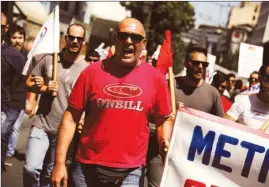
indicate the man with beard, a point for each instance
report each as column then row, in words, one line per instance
column 16, row 38
column 41, row 145
column 253, row 110
column 220, row 83
column 12, row 97
column 117, row 94
column 193, row 92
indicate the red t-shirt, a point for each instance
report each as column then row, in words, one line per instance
column 226, row 103
column 117, row 104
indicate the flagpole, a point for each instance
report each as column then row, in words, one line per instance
column 172, row 89
column 265, row 126
column 55, row 53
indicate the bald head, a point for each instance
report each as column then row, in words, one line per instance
column 4, row 27
column 3, row 19
column 131, row 25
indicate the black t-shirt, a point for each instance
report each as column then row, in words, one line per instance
column 13, row 88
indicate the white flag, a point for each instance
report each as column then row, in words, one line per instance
column 47, row 40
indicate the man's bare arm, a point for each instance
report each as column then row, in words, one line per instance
column 164, row 128
column 66, row 133
column 226, row 116
column 35, row 84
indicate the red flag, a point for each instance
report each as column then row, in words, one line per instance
column 165, row 59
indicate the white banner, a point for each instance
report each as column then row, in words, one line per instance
column 47, row 40
column 250, row 59
column 208, row 151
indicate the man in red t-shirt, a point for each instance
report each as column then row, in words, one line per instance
column 118, row 95
column 220, row 83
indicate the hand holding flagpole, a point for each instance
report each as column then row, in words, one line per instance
column 56, row 37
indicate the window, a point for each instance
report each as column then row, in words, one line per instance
column 256, row 9
column 253, row 18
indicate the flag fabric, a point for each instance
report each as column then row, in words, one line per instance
column 155, row 55
column 165, row 59
column 47, row 40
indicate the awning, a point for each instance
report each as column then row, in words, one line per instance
column 34, row 11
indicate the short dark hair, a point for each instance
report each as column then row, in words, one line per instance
column 93, row 53
column 218, row 79
column 263, row 68
column 238, row 84
column 78, row 25
column 15, row 28
column 254, row 72
column 194, row 48
column 230, row 75
column 266, row 53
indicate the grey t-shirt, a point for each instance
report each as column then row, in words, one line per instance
column 205, row 98
column 51, row 109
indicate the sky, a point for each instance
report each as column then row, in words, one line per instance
column 205, row 12
column 211, row 13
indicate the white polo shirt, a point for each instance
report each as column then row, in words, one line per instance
column 250, row 111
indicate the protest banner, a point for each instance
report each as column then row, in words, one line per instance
column 208, row 151
column 250, row 59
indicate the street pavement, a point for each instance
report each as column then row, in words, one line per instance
column 12, row 177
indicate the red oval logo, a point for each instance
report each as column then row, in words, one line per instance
column 123, row 90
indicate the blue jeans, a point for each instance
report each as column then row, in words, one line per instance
column 15, row 135
column 40, row 156
column 8, row 119
column 84, row 175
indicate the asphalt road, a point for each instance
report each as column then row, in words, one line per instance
column 12, row 177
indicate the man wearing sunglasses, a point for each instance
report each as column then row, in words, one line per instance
column 92, row 56
column 231, row 83
column 253, row 110
column 12, row 100
column 42, row 139
column 253, row 79
column 118, row 95
column 193, row 92
column 220, row 83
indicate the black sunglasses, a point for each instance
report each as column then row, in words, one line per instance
column 136, row 38
column 223, row 87
column 253, row 79
column 72, row 38
column 92, row 59
column 197, row 63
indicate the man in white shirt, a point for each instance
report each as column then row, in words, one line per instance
column 253, row 110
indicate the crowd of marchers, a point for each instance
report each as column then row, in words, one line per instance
column 95, row 132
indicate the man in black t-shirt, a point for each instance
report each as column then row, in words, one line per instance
column 12, row 99
column 16, row 36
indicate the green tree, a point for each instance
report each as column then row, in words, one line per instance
column 160, row 16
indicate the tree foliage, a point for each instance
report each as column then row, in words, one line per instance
column 175, row 16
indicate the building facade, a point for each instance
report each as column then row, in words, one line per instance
column 247, row 13
column 260, row 33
